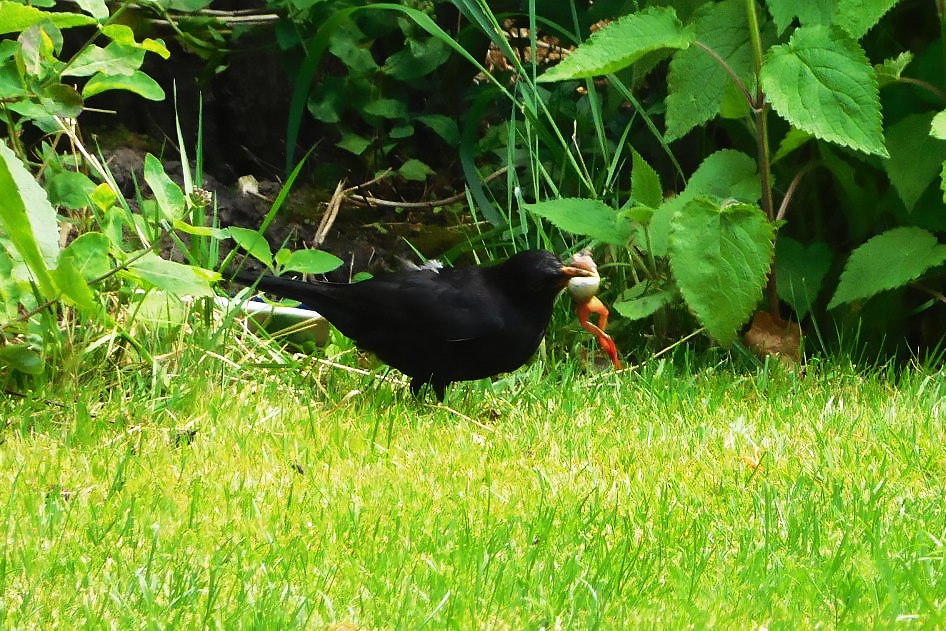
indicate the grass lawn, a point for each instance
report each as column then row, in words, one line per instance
column 239, row 497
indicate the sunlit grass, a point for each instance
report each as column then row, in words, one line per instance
column 292, row 498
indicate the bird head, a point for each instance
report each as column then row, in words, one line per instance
column 541, row 272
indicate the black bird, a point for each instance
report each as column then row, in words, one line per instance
column 440, row 325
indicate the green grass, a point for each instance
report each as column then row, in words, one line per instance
column 264, row 498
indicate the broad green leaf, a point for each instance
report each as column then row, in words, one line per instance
column 793, row 139
column 587, row 217
column 174, row 277
column 645, row 183
column 103, row 197
column 354, row 143
column 916, row 158
column 444, row 126
column 21, row 357
column 60, row 100
column 808, row 12
column 645, row 306
column 696, row 81
column 167, row 193
column 386, row 108
column 720, row 257
column 70, row 189
column 821, row 82
column 28, row 220
column 312, row 262
column 938, row 126
column 889, row 260
column 800, row 272
column 253, row 242
column 95, row 8
column 10, row 291
column 137, row 82
column 160, row 309
column 416, row 170
column 621, row 43
column 114, row 59
column 89, row 255
column 857, row 17
column 420, row 58
column 73, row 285
column 122, row 34
column 15, row 17
column 726, row 174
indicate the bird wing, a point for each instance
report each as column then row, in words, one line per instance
column 449, row 304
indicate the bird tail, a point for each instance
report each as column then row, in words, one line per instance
column 282, row 287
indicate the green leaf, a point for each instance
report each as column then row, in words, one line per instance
column 174, row 277
column 938, row 126
column 645, row 306
column 722, row 175
column 312, row 262
column 443, row 126
column 720, row 257
column 386, row 108
column 167, row 193
column 89, row 255
column 122, row 34
column 916, row 158
column 111, row 60
column 137, row 82
column 15, row 17
column 253, row 242
column 857, row 17
column 416, row 170
column 891, row 69
column 645, row 183
column 621, row 43
column 821, row 82
column 354, row 143
column 74, row 287
column 800, row 272
column 10, row 292
column 95, row 8
column 808, row 12
column 696, row 81
column 794, row 138
column 22, row 358
column 587, row 217
column 70, row 189
column 28, row 220
column 201, row 231
column 887, row 261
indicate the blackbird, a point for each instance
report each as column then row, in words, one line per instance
column 442, row 325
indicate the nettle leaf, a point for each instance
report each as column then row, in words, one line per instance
column 167, row 193
column 891, row 69
column 416, row 170
column 821, row 82
column 859, row 16
column 137, row 82
column 887, row 261
column 720, row 257
column 916, row 158
column 621, row 43
column 784, row 12
column 253, row 242
column 726, row 174
column 587, row 217
column 696, row 82
column 311, row 262
column 645, row 183
column 800, row 272
column 938, row 125
column 174, row 277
